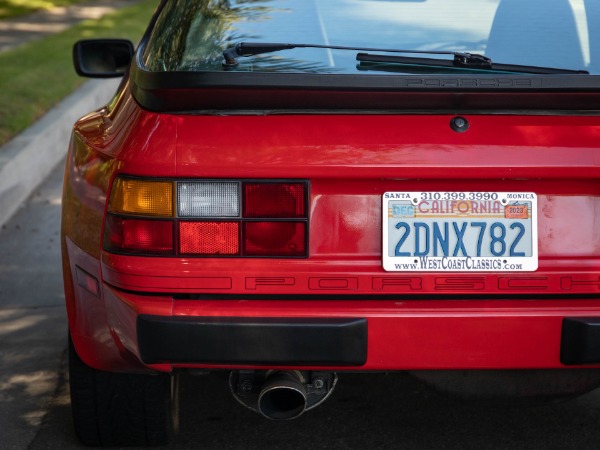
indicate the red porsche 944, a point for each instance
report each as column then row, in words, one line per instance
column 292, row 189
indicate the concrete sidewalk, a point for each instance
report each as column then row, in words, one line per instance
column 29, row 158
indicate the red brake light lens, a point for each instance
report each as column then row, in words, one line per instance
column 138, row 235
column 274, row 238
column 274, row 200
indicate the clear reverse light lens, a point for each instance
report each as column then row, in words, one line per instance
column 208, row 199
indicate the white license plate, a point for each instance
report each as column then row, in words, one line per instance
column 460, row 231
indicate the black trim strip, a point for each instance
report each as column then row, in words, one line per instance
column 500, row 82
column 187, row 92
column 426, row 296
column 255, row 341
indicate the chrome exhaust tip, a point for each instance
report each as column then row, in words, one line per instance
column 283, row 396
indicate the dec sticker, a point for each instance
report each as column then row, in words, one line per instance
column 516, row 212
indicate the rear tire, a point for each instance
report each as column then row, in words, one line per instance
column 118, row 409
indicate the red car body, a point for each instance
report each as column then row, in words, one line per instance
column 329, row 305
column 415, row 321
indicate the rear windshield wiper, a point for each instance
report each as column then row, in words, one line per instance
column 258, row 48
column 460, row 59
column 389, row 63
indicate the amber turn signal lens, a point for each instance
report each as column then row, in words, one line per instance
column 150, row 198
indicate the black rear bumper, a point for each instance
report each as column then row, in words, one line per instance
column 252, row 341
column 580, row 341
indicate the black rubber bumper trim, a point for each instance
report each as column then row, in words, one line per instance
column 580, row 341
column 252, row 341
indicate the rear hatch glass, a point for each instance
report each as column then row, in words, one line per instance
column 191, row 35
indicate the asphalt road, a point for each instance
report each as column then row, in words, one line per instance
column 366, row 412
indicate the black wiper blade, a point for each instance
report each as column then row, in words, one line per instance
column 461, row 60
column 231, row 54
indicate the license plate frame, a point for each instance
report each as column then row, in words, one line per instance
column 459, row 231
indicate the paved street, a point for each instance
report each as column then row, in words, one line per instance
column 32, row 314
column 366, row 411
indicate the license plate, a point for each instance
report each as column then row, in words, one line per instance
column 460, row 232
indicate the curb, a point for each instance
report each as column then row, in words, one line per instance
column 29, row 158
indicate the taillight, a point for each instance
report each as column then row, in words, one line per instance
column 268, row 200
column 138, row 236
column 274, row 238
column 143, row 197
column 209, row 238
column 208, row 218
column 208, row 199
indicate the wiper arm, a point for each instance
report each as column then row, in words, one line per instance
column 461, row 60
column 258, row 48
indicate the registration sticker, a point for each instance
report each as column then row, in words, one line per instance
column 460, row 232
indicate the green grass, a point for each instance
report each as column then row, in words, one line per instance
column 35, row 76
column 14, row 8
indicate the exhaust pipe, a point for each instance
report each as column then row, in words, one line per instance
column 281, row 395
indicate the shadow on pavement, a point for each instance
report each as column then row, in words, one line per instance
column 366, row 411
